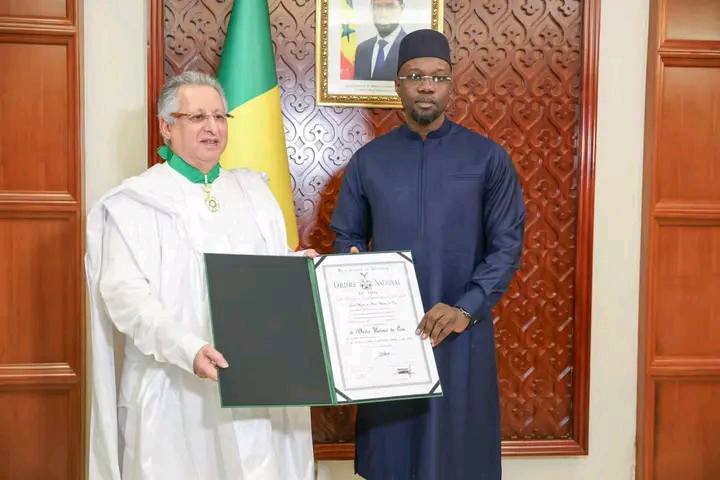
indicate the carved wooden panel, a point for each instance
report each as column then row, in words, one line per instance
column 517, row 77
column 517, row 66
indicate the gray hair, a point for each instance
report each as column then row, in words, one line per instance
column 169, row 102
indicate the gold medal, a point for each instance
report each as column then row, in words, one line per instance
column 210, row 200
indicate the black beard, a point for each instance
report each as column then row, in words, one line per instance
column 425, row 118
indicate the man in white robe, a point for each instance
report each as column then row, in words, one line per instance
column 146, row 279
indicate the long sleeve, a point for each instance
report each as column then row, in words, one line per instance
column 504, row 224
column 133, row 309
column 351, row 220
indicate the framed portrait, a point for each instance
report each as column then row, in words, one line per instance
column 357, row 47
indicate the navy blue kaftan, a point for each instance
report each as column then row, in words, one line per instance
column 455, row 201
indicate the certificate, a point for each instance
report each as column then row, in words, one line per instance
column 371, row 307
column 332, row 330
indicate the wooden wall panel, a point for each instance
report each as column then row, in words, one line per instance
column 34, row 8
column 38, row 447
column 35, row 110
column 692, row 20
column 518, row 79
column 688, row 150
column 38, row 291
column 688, row 275
column 686, row 444
column 678, row 430
column 42, row 331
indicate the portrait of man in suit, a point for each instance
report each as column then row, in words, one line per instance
column 376, row 58
column 358, row 45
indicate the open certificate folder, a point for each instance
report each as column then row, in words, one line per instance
column 324, row 331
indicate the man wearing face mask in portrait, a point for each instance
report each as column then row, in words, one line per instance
column 376, row 58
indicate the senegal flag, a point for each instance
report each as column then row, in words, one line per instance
column 347, row 40
column 256, row 138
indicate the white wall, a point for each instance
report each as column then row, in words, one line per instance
column 115, row 147
column 114, row 111
column 115, row 85
column 618, row 187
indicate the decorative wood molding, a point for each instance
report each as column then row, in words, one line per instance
column 684, row 58
column 12, row 25
column 587, row 133
column 62, row 198
column 40, row 211
column 155, row 56
column 542, row 448
column 686, row 210
column 692, row 47
column 662, row 366
column 37, row 374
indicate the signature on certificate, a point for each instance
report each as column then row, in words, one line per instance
column 404, row 371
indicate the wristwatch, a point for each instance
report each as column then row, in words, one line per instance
column 471, row 321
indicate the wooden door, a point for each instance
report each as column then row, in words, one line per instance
column 679, row 371
column 41, row 309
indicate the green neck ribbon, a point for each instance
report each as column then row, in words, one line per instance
column 187, row 170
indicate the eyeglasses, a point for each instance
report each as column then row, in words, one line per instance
column 417, row 79
column 202, row 117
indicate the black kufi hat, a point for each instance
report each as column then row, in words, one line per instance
column 423, row 43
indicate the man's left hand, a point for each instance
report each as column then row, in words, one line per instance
column 440, row 321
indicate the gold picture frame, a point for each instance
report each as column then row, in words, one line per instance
column 334, row 43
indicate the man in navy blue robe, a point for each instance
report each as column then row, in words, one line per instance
column 452, row 197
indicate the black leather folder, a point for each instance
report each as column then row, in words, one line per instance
column 267, row 320
column 266, row 323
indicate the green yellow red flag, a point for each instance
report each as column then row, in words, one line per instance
column 256, row 137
